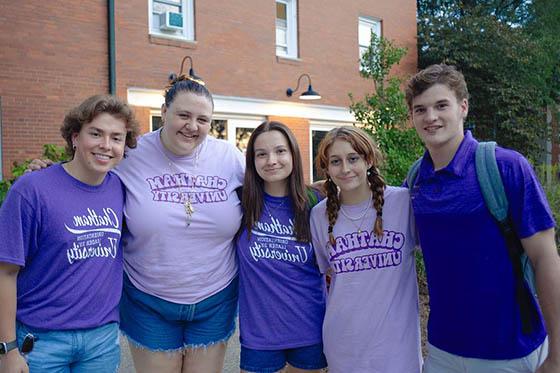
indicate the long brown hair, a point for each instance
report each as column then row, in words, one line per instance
column 253, row 186
column 365, row 147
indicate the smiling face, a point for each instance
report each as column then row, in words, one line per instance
column 273, row 162
column 186, row 122
column 348, row 170
column 99, row 146
column 438, row 117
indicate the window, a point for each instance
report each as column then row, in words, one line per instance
column 286, row 28
column 172, row 18
column 235, row 131
column 365, row 27
column 155, row 120
column 318, row 132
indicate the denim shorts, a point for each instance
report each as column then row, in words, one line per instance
column 76, row 351
column 270, row 361
column 159, row 325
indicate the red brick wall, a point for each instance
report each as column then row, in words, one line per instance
column 53, row 54
column 235, row 50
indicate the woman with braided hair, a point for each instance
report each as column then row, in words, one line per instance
column 364, row 236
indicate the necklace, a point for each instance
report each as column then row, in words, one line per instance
column 362, row 217
column 277, row 207
column 187, row 205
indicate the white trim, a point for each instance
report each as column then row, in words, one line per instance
column 154, row 113
column 373, row 24
column 188, row 22
column 244, row 106
column 318, row 126
column 291, row 28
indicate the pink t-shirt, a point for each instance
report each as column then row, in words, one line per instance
column 371, row 322
column 162, row 255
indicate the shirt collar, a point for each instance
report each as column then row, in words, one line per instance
column 457, row 165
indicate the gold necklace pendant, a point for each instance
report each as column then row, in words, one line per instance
column 189, row 211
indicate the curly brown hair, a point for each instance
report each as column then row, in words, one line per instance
column 89, row 109
column 365, row 147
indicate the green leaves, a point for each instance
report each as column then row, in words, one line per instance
column 508, row 52
column 53, row 152
column 384, row 113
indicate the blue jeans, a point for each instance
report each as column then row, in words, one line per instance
column 76, row 351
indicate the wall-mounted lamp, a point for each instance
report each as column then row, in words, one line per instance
column 192, row 76
column 310, row 94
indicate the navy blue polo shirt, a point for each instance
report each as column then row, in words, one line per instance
column 473, row 311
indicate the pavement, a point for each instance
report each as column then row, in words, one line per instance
column 231, row 362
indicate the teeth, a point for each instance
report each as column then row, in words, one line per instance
column 102, row 156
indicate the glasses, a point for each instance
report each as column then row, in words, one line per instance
column 28, row 343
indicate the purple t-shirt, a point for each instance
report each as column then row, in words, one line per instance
column 473, row 311
column 66, row 236
column 281, row 291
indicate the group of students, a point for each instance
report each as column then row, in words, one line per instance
column 206, row 233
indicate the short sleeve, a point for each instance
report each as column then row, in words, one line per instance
column 18, row 228
column 528, row 205
column 319, row 237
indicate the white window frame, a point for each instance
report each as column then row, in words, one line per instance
column 187, row 33
column 236, row 121
column 154, row 113
column 291, row 29
column 372, row 24
column 323, row 127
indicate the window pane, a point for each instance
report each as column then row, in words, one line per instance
column 161, row 8
column 281, row 11
column 281, row 36
column 242, row 135
column 364, row 34
column 316, row 137
column 156, row 122
column 218, row 129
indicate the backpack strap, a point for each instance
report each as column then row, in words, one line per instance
column 490, row 180
column 493, row 191
column 412, row 173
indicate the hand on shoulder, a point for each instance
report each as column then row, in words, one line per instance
column 38, row 164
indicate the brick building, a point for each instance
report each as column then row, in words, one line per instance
column 53, row 54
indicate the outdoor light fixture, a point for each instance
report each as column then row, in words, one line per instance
column 310, row 94
column 192, row 76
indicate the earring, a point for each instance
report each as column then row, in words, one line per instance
column 73, row 146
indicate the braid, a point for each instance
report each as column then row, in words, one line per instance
column 333, row 205
column 377, row 185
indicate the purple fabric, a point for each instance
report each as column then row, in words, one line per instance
column 66, row 236
column 162, row 255
column 281, row 291
column 473, row 311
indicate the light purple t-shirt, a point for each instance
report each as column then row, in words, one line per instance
column 66, row 236
column 162, row 256
column 281, row 291
column 371, row 323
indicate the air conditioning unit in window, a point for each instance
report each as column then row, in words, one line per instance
column 170, row 21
